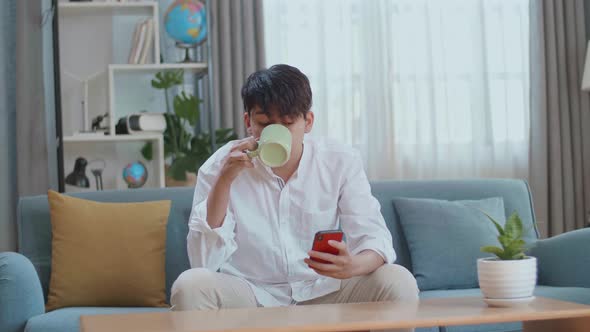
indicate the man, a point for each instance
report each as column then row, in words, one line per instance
column 251, row 227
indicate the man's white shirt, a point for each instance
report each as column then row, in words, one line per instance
column 270, row 225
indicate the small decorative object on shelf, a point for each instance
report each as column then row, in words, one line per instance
column 141, row 123
column 97, row 172
column 96, row 124
column 186, row 23
column 77, row 177
column 135, row 174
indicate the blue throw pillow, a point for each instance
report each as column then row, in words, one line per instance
column 445, row 237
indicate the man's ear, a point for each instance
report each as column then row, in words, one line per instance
column 247, row 123
column 309, row 121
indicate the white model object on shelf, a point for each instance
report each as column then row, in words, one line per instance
column 85, row 125
column 141, row 123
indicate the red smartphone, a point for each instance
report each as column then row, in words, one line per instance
column 320, row 243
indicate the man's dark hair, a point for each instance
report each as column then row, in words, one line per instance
column 280, row 87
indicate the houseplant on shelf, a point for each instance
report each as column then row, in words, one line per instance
column 184, row 150
column 509, row 278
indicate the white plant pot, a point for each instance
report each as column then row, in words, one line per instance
column 512, row 280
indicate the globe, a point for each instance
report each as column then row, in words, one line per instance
column 135, row 174
column 186, row 22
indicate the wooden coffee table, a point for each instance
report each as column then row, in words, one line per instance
column 540, row 315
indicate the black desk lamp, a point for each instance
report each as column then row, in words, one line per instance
column 78, row 177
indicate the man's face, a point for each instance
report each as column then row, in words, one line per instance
column 298, row 126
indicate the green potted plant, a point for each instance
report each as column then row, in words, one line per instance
column 184, row 150
column 510, row 277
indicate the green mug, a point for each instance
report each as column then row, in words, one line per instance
column 274, row 146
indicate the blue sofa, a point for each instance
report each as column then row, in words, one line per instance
column 564, row 261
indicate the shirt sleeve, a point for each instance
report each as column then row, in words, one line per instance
column 360, row 214
column 207, row 247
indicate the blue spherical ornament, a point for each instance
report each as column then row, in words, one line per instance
column 135, row 174
column 186, row 21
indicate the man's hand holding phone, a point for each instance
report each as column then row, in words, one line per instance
column 330, row 257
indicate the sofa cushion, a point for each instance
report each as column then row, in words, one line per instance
column 68, row 319
column 516, row 195
column 34, row 227
column 107, row 254
column 572, row 294
column 445, row 238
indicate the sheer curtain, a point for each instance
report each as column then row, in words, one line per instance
column 424, row 88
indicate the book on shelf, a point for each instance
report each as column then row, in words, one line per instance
column 141, row 42
column 134, row 42
column 148, row 41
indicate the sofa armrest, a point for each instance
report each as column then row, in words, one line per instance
column 21, row 296
column 564, row 260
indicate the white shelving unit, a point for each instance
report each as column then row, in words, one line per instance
column 95, row 42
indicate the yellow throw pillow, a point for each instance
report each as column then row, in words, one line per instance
column 107, row 254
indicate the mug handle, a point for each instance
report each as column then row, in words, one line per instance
column 254, row 153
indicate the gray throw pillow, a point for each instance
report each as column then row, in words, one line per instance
column 444, row 238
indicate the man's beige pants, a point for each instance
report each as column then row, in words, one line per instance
column 202, row 289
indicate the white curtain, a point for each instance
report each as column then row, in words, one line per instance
column 424, row 88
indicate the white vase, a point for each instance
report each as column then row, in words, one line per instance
column 507, row 280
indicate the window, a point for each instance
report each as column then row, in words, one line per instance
column 424, row 88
